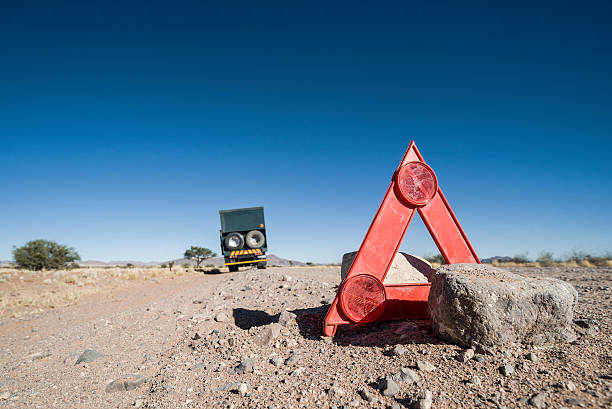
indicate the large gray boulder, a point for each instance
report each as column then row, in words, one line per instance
column 405, row 268
column 480, row 304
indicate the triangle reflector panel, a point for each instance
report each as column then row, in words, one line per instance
column 362, row 297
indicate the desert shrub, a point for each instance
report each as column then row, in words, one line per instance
column 545, row 259
column 163, row 265
column 129, row 265
column 44, row 254
column 309, row 263
column 437, row 259
column 521, row 259
column 186, row 265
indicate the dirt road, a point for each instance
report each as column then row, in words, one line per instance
column 211, row 340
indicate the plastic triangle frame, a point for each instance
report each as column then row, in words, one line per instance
column 362, row 296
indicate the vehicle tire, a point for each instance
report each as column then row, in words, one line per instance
column 233, row 269
column 262, row 265
column 255, row 239
column 234, row 241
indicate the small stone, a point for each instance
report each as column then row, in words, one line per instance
column 575, row 402
column 242, row 389
column 532, row 357
column 287, row 277
column 388, row 387
column 276, row 360
column 506, row 370
column 221, row 317
column 294, row 358
column 481, row 358
column 268, row 334
column 138, row 403
column 475, row 380
column 335, row 391
column 5, row 395
column 127, row 383
column 367, row 396
column 399, row 350
column 425, row 366
column 88, row 355
column 286, row 318
column 538, row 400
column 408, row 375
column 297, row 372
column 198, row 301
column 571, row 386
column 465, row 355
column 424, row 400
column 39, row 355
column 247, row 365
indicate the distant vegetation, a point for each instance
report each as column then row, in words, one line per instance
column 544, row 259
column 45, row 255
column 547, row 259
column 198, row 254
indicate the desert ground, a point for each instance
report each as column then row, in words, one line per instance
column 188, row 339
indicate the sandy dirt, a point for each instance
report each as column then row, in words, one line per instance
column 211, row 340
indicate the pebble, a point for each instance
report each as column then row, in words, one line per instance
column 424, row 400
column 294, row 358
column 268, row 334
column 5, row 395
column 399, row 350
column 481, row 358
column 247, row 365
column 465, row 355
column 286, row 318
column 276, row 360
column 39, row 355
column 221, row 317
column 367, row 396
column 532, row 357
column 506, row 369
column 425, row 366
column 287, row 277
column 408, row 375
column 538, row 400
column 138, row 403
column 388, row 387
column 88, row 355
column 297, row 372
column 571, row 386
column 475, row 380
column 127, row 383
column 242, row 389
column 335, row 391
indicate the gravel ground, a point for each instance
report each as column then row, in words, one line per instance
column 252, row 339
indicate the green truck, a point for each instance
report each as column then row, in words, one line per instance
column 243, row 237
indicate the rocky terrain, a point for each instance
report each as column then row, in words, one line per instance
column 253, row 340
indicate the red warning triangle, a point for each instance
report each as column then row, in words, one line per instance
column 363, row 297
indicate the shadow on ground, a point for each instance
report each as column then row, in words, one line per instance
column 310, row 323
column 246, row 319
column 209, row 271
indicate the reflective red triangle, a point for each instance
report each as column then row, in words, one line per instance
column 363, row 297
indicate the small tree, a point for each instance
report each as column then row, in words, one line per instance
column 198, row 254
column 170, row 265
column 44, row 254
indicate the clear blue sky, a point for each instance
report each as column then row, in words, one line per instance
column 126, row 126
